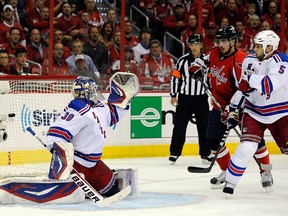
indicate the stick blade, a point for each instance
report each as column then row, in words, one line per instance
column 194, row 169
column 115, row 198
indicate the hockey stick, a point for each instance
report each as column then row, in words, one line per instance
column 195, row 169
column 221, row 110
column 90, row 192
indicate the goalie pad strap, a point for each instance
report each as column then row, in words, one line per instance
column 62, row 160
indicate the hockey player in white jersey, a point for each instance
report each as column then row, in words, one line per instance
column 265, row 84
column 83, row 126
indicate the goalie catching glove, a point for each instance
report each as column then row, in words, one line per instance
column 124, row 87
column 198, row 69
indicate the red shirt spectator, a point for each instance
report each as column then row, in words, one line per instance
column 191, row 29
column 114, row 48
column 209, row 41
column 7, row 24
column 95, row 17
column 231, row 12
column 207, row 12
column 130, row 40
column 272, row 10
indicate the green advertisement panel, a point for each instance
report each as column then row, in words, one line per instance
column 146, row 117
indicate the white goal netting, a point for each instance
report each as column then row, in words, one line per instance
column 36, row 104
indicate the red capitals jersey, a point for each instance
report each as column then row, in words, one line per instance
column 225, row 73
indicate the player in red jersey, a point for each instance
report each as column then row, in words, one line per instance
column 225, row 63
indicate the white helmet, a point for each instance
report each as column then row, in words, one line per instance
column 85, row 88
column 266, row 38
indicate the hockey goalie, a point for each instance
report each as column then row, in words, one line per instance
column 76, row 140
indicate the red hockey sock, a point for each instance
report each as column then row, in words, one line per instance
column 262, row 156
column 223, row 158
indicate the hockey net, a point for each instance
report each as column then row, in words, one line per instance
column 36, row 104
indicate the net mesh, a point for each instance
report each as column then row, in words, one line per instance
column 35, row 104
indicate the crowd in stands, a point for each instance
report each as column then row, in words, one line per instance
column 87, row 42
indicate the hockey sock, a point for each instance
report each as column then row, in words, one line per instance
column 262, row 156
column 239, row 161
column 223, row 158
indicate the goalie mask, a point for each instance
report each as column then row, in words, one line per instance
column 85, row 88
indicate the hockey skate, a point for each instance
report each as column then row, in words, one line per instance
column 218, row 181
column 207, row 159
column 173, row 159
column 267, row 180
column 228, row 189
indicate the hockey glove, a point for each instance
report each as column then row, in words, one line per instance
column 244, row 83
column 230, row 117
column 198, row 69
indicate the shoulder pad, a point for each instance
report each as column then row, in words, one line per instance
column 81, row 106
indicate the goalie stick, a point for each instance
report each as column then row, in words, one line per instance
column 90, row 192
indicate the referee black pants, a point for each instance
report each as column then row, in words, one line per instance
column 187, row 106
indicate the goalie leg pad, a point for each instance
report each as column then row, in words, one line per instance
column 62, row 161
column 128, row 177
column 35, row 190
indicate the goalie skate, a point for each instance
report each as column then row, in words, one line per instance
column 267, row 180
column 218, row 181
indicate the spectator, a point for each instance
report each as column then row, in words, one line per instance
column 129, row 63
column 4, row 60
column 276, row 27
column 177, row 22
column 224, row 21
column 112, row 19
column 58, row 38
column 71, row 26
column 231, row 12
column 36, row 50
column 20, row 66
column 81, row 69
column 114, row 49
column 244, row 42
column 209, row 40
column 95, row 17
column 7, row 23
column 84, row 17
column 269, row 16
column 60, row 66
column 77, row 49
column 106, row 34
column 265, row 25
column 13, row 44
column 157, row 65
column 33, row 12
column 207, row 12
column 142, row 48
column 93, row 46
column 191, row 29
column 130, row 39
column 19, row 14
column 254, row 26
column 162, row 10
column 251, row 10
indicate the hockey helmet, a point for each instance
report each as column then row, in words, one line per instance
column 266, row 38
column 85, row 88
column 195, row 38
column 227, row 32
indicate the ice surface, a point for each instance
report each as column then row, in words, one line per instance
column 166, row 190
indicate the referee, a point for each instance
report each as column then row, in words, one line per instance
column 189, row 97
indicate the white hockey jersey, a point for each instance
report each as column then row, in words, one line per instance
column 85, row 127
column 269, row 102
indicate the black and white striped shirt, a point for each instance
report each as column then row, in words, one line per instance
column 181, row 79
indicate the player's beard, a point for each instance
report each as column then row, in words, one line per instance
column 260, row 57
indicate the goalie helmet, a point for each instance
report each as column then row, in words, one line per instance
column 85, row 88
column 266, row 38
